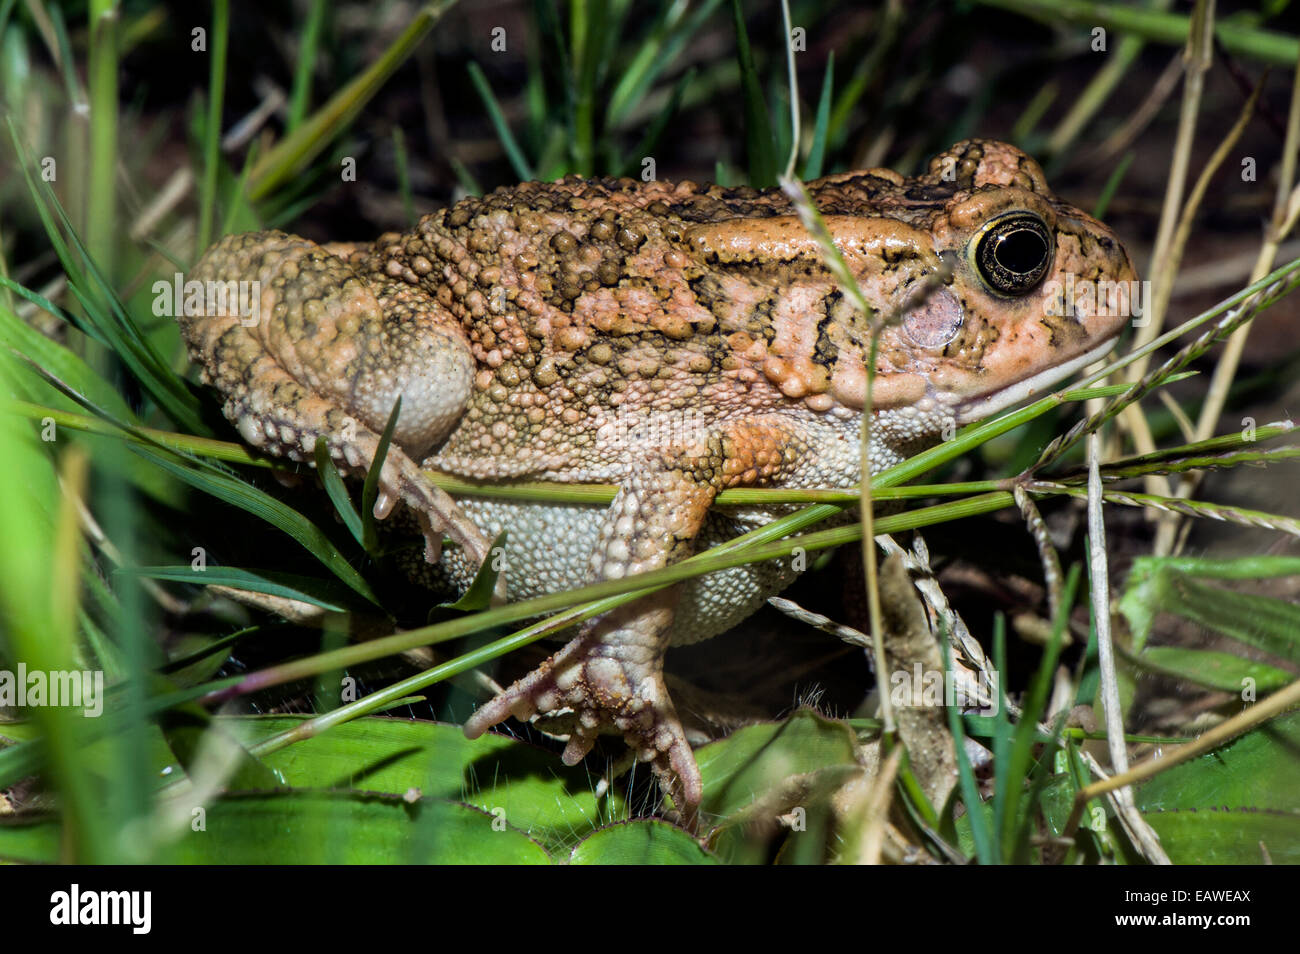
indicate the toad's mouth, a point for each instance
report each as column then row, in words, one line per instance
column 981, row 406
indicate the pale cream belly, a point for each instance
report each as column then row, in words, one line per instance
column 548, row 549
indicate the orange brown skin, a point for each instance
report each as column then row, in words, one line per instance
column 526, row 329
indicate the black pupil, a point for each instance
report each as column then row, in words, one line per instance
column 1022, row 251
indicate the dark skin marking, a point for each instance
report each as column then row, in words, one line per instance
column 710, row 294
column 826, row 352
column 928, row 194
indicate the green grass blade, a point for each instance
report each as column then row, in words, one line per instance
column 229, row 488
column 105, row 310
column 1018, row 810
column 812, row 167
column 760, row 141
column 402, row 163
column 1108, row 191
column 101, row 83
column 478, row 595
column 308, row 50
column 306, row 589
column 370, row 489
column 337, row 491
column 292, row 154
column 50, row 358
column 656, row 129
column 516, row 156
column 678, row 26
column 212, row 125
column 977, row 812
column 39, row 574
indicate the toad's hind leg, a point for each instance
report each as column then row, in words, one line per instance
column 320, row 351
column 611, row 674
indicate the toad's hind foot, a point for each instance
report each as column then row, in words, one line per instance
column 608, row 687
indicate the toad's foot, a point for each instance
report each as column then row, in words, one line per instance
column 609, row 683
column 400, row 479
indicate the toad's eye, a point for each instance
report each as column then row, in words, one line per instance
column 1013, row 252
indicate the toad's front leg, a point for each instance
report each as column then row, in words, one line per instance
column 611, row 674
column 326, row 350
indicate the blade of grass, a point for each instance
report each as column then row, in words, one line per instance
column 401, row 163
column 1099, row 88
column 1238, row 38
column 588, row 22
column 106, row 311
column 812, row 167
column 977, row 812
column 1112, row 185
column 337, row 491
column 1017, row 811
column 370, row 489
column 101, row 73
column 305, row 589
column 38, row 563
column 523, row 170
column 308, row 50
column 678, row 25
column 229, row 488
column 212, row 125
column 289, row 156
column 656, row 129
column 760, row 142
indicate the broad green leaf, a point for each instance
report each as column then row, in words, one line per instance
column 1219, row 808
column 1265, row 622
column 640, row 842
column 193, row 735
column 529, row 787
column 314, row 827
column 1228, row 836
column 26, row 757
column 740, row 768
column 1214, row 669
column 1174, row 585
column 1260, row 769
column 30, row 841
